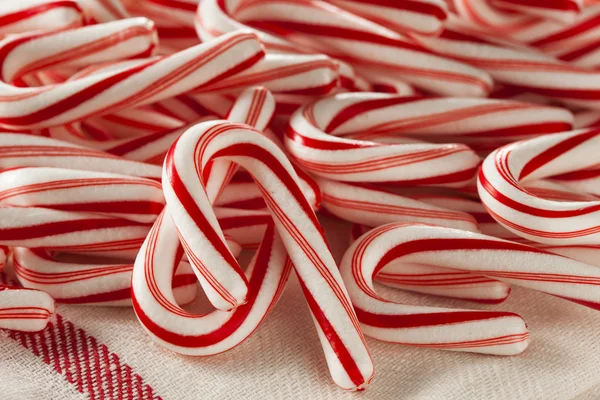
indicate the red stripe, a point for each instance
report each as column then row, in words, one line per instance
column 420, row 7
column 33, row 11
column 338, row 347
column 555, row 151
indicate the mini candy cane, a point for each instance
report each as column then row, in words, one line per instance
column 560, row 10
column 156, row 307
column 485, row 13
column 313, row 138
column 32, row 15
column 341, row 35
column 26, row 53
column 373, row 206
column 439, row 281
column 104, row 10
column 187, row 202
column 89, row 283
column 21, row 150
column 25, row 310
column 142, row 82
column 529, row 70
column 288, row 73
column 422, row 16
column 132, row 198
column 490, row 332
column 541, row 220
column 22, row 309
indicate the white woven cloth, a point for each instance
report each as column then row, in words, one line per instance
column 283, row 359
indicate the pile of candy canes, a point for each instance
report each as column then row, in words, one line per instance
column 146, row 143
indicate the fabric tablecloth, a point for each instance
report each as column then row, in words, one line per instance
column 103, row 353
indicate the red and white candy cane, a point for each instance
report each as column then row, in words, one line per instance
column 373, row 206
column 32, row 15
column 438, row 281
column 526, row 69
column 201, row 335
column 512, row 15
column 22, row 150
column 102, row 11
column 27, row 310
column 118, row 40
column 501, row 179
column 343, row 343
column 422, row 16
column 92, row 282
column 141, row 82
column 121, row 196
column 341, row 35
column 492, row 332
column 315, row 138
column 576, row 42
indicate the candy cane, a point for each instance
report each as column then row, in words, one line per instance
column 525, row 69
column 500, row 15
column 25, row 53
column 215, row 332
column 104, row 10
column 31, row 15
column 89, row 283
column 422, row 16
column 438, row 281
column 312, row 140
column 188, row 204
column 312, row 75
column 373, row 206
column 341, row 35
column 489, row 332
column 22, row 150
column 26, row 310
column 538, row 219
column 142, row 82
column 560, row 10
column 121, row 196
column 480, row 331
column 22, row 309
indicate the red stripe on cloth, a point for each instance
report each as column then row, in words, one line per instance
column 84, row 362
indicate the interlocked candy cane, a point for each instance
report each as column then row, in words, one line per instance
column 526, row 69
column 188, row 204
column 22, row 150
column 32, row 15
column 93, row 283
column 501, row 179
column 121, row 196
column 422, row 16
column 139, row 83
column 22, row 309
column 438, row 281
column 316, row 26
column 316, row 135
column 156, row 307
column 492, row 332
column 372, row 206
